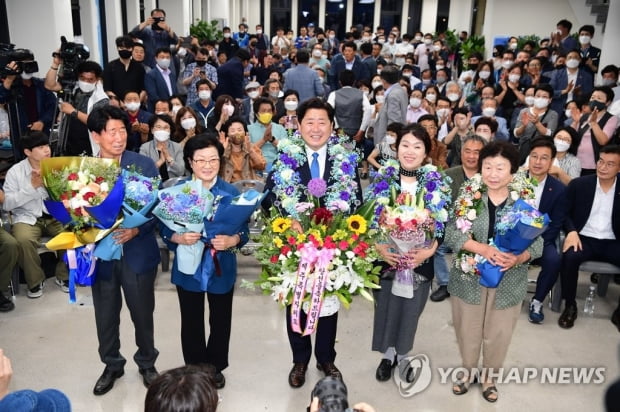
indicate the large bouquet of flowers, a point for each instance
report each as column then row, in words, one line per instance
column 139, row 198
column 515, row 227
column 409, row 220
column 331, row 259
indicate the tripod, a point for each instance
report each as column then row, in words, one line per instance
column 60, row 129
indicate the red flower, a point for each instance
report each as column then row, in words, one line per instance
column 321, row 216
column 99, row 180
column 343, row 245
column 274, row 259
column 329, row 243
column 72, row 176
column 355, row 236
column 285, row 249
column 78, row 211
column 291, row 240
column 88, row 195
column 64, row 196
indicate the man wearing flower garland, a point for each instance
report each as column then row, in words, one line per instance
column 285, row 185
column 134, row 273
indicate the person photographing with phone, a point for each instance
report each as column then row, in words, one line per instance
column 155, row 33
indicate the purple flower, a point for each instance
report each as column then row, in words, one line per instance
column 345, row 196
column 317, row 187
column 431, row 186
column 381, row 186
column 428, row 197
column 346, row 168
column 289, row 161
column 289, row 190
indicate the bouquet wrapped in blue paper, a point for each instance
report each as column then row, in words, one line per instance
column 183, row 208
column 515, row 231
column 140, row 197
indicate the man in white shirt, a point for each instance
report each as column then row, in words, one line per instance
column 592, row 225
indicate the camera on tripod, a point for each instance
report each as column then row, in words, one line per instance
column 72, row 54
column 23, row 58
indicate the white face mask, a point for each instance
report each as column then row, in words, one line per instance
column 161, row 135
column 561, row 145
column 204, row 94
column 182, row 52
column 407, row 74
column 418, row 38
column 514, row 78
column 380, row 98
column 453, row 97
column 376, row 84
column 291, row 105
column 415, row 102
column 428, row 41
column 85, row 86
column 572, row 63
column 443, row 112
column 488, row 112
column 253, row 94
column 227, row 35
column 485, row 74
column 229, row 109
column 259, row 31
column 541, row 102
column 431, row 97
column 436, row 48
column 163, row 63
column 176, row 108
column 568, row 113
column 317, row 53
column 608, row 82
column 27, row 76
column 507, row 63
column 439, row 66
column 529, row 100
column 274, row 94
column 132, row 106
column 188, row 123
column 389, row 139
column 584, row 39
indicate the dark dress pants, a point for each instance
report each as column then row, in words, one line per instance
column 325, row 339
column 196, row 350
column 550, row 263
column 139, row 292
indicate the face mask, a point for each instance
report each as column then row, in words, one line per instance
column 26, row 76
column 176, row 108
column 418, row 38
column 568, row 113
column 237, row 139
column 595, row 104
column 426, row 82
column 201, row 63
column 428, row 41
column 443, row 112
column 163, row 63
column 226, row 35
column 512, row 46
column 572, row 63
column 161, row 135
column 124, row 54
column 264, row 118
column 436, row 48
column 485, row 74
column 259, row 31
column 376, row 84
column 253, row 94
column 453, row 97
column 188, row 123
column 229, row 109
column 541, row 102
column 415, row 102
column 439, row 66
column 204, row 94
column 608, row 82
column 389, row 139
column 366, row 39
column 488, row 112
column 85, row 86
column 497, row 64
column 514, row 78
column 290, row 105
column 132, row 106
column 274, row 94
column 407, row 74
column 381, row 41
column 529, row 100
column 507, row 63
column 584, row 39
column 561, row 145
column 441, row 80
column 332, row 36
column 317, row 53
column 432, row 97
column 472, row 66
column 160, row 113
column 252, row 44
column 182, row 52
column 380, row 99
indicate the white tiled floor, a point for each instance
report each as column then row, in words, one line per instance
column 53, row 344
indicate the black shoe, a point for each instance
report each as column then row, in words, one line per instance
column 567, row 319
column 6, row 305
column 440, row 294
column 297, row 375
column 329, row 369
column 615, row 318
column 220, row 380
column 617, row 279
column 106, row 380
column 384, row 370
column 594, row 278
column 149, row 375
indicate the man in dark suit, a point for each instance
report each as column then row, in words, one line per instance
column 592, row 225
column 347, row 60
column 134, row 274
column 550, row 199
column 590, row 55
column 570, row 83
column 230, row 75
column 160, row 83
column 316, row 124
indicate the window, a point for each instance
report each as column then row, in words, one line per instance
column 280, row 15
column 308, row 13
column 415, row 16
column 364, row 13
column 443, row 11
column 391, row 15
column 335, row 16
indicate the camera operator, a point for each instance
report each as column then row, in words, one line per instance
column 76, row 104
column 155, row 34
column 29, row 104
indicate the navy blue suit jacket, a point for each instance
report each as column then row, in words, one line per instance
column 141, row 253
column 580, row 197
column 553, row 203
column 558, row 79
column 230, row 79
column 156, row 87
column 339, row 65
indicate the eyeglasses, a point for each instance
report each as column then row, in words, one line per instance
column 602, row 163
column 203, row 162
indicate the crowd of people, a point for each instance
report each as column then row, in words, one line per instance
column 216, row 112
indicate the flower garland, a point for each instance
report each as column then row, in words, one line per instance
column 435, row 185
column 468, row 206
column 342, row 185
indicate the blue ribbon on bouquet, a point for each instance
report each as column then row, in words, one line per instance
column 82, row 264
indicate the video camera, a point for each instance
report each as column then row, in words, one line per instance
column 72, row 54
column 22, row 57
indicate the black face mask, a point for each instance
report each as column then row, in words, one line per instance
column 253, row 44
column 201, row 63
column 124, row 54
column 595, row 104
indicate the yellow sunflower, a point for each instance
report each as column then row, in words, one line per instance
column 356, row 224
column 280, row 224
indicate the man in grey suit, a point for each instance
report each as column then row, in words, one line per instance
column 394, row 108
column 303, row 79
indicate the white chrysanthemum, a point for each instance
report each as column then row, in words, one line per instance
column 287, row 174
column 288, row 203
column 471, row 214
